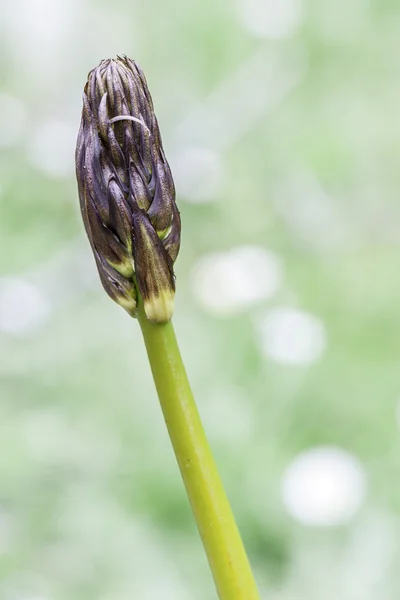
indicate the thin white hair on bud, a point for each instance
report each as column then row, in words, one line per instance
column 129, row 118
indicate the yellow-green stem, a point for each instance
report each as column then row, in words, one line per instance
column 222, row 542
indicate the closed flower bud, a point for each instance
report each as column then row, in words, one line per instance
column 126, row 190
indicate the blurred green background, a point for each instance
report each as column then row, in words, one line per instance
column 281, row 124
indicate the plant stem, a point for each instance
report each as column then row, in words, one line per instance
column 221, row 539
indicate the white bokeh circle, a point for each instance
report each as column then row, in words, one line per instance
column 324, row 486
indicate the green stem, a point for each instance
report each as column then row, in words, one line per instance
column 222, row 542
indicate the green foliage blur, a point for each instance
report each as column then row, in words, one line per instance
column 281, row 123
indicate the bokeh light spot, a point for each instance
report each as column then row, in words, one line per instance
column 291, row 336
column 271, row 19
column 227, row 283
column 198, row 174
column 12, row 119
column 324, row 486
column 23, row 307
column 51, row 148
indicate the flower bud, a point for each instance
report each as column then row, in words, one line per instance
column 126, row 190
